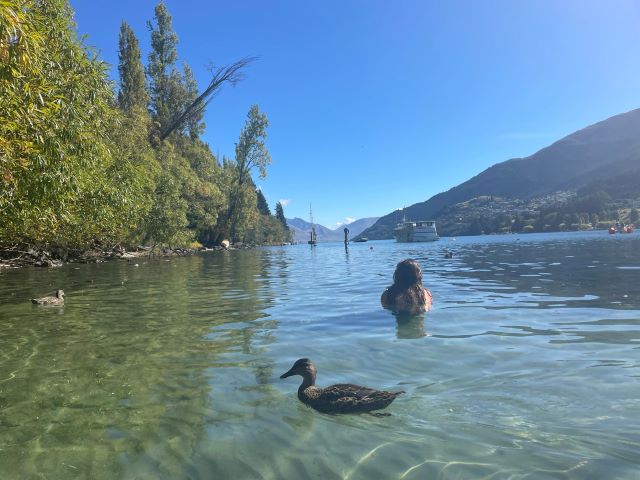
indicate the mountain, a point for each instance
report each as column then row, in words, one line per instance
column 358, row 226
column 594, row 154
column 301, row 229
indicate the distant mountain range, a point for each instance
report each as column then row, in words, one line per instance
column 301, row 229
column 605, row 153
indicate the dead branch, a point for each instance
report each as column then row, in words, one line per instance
column 229, row 74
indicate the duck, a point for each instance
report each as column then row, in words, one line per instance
column 339, row 398
column 448, row 255
column 57, row 300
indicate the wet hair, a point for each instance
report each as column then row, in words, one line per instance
column 407, row 285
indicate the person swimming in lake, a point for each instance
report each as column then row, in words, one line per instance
column 407, row 294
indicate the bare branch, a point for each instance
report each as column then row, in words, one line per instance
column 229, row 74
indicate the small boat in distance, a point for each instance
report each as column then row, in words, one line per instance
column 418, row 231
column 621, row 228
column 361, row 239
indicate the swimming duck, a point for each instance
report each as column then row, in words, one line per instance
column 57, row 300
column 339, row 398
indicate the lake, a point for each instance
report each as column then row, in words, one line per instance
column 527, row 366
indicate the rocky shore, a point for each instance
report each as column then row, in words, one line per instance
column 56, row 257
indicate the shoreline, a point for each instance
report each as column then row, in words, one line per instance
column 15, row 258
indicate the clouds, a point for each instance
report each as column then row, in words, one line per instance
column 284, row 202
column 346, row 221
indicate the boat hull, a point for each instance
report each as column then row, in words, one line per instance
column 414, row 232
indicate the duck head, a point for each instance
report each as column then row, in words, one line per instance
column 60, row 293
column 302, row 367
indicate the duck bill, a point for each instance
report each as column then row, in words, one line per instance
column 287, row 374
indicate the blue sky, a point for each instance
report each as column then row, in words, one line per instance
column 375, row 105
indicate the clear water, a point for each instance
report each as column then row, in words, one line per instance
column 527, row 367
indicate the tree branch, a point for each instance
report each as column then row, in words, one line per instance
column 231, row 74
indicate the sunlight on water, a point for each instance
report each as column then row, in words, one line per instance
column 527, row 367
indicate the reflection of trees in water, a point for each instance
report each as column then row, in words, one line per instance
column 120, row 382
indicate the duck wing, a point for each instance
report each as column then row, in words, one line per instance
column 348, row 398
column 46, row 301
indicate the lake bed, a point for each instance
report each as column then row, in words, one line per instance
column 527, row 366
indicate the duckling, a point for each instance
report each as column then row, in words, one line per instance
column 57, row 300
column 339, row 398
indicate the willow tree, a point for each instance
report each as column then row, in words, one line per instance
column 55, row 100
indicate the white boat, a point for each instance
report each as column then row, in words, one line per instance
column 418, row 231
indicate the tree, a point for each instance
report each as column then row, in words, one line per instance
column 174, row 98
column 167, row 222
column 55, row 100
column 193, row 111
column 634, row 216
column 161, row 64
column 263, row 206
column 194, row 123
column 133, row 91
column 251, row 152
column 280, row 215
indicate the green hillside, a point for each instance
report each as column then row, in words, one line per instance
column 604, row 156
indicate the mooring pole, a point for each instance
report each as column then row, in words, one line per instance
column 346, row 235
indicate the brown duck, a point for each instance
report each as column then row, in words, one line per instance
column 57, row 300
column 339, row 398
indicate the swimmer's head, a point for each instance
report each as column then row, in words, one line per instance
column 407, row 273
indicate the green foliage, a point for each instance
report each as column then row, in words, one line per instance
column 132, row 175
column 589, row 202
column 201, row 184
column 194, row 125
column 163, row 78
column 634, row 216
column 268, row 230
column 167, row 220
column 263, row 206
column 77, row 171
column 280, row 215
column 56, row 103
column 251, row 152
column 133, row 91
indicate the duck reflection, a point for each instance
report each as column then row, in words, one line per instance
column 409, row 326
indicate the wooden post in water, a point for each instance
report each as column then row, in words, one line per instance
column 346, row 235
